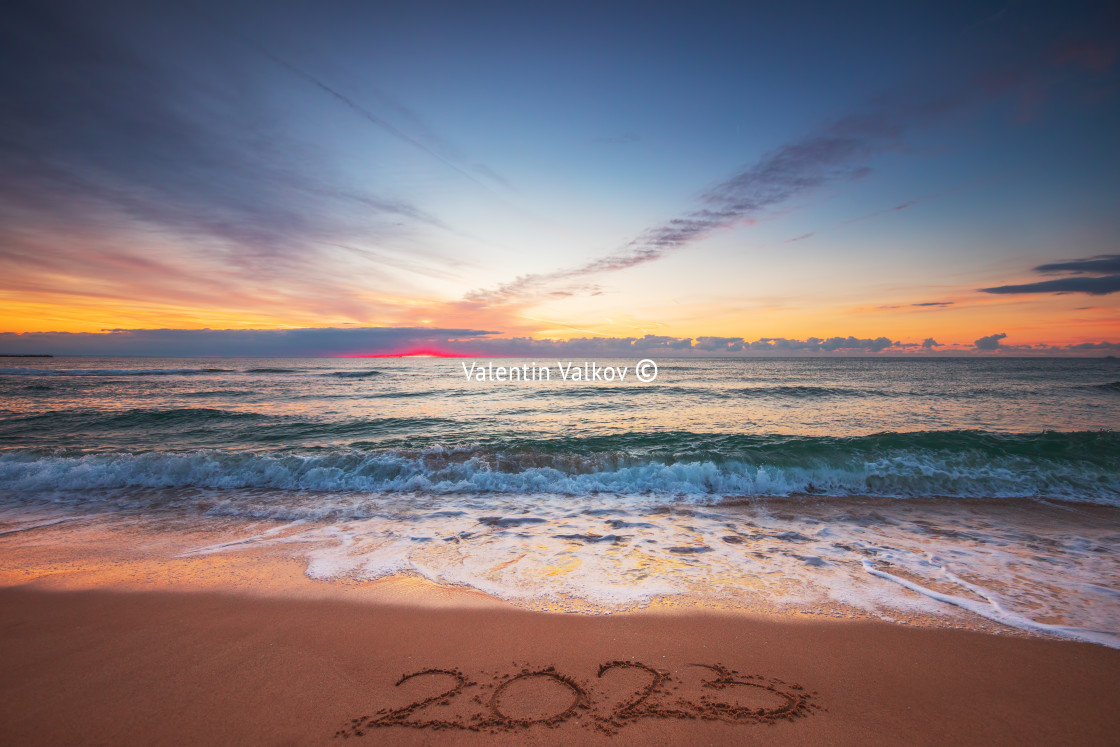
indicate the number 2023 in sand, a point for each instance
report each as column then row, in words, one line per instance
column 658, row 696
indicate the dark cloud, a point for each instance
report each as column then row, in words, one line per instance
column 933, row 303
column 719, row 344
column 1107, row 266
column 989, row 343
column 1093, row 286
column 847, row 345
column 1111, row 346
column 342, row 341
column 278, row 343
column 876, row 345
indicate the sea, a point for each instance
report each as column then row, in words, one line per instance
column 949, row 489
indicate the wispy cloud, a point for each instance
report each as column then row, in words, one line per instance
column 793, row 170
column 152, row 178
column 371, row 117
column 839, row 152
column 100, row 122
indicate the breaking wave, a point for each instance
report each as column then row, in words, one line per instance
column 689, row 468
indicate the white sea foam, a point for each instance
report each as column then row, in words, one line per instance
column 1045, row 569
column 993, row 609
column 28, row 525
column 1055, row 570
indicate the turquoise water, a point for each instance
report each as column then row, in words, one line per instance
column 990, row 486
column 943, row 427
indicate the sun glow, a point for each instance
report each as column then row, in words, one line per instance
column 416, row 353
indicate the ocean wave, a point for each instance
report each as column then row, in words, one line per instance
column 888, row 465
column 110, row 371
column 592, row 390
column 802, row 391
column 114, row 372
column 143, row 417
column 71, row 420
column 1097, row 446
column 763, row 391
column 152, row 424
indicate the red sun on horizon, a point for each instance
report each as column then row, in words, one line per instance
column 417, row 353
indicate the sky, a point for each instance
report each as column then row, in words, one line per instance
column 369, row 178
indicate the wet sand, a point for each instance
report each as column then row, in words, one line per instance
column 165, row 667
column 112, row 636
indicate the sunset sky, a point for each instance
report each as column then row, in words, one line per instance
column 452, row 176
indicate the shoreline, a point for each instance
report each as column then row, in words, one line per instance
column 101, row 553
column 183, row 550
column 112, row 634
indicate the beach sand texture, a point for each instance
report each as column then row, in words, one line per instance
column 84, row 661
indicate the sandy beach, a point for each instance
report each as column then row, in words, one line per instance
column 157, row 655
column 112, row 634
column 559, row 373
